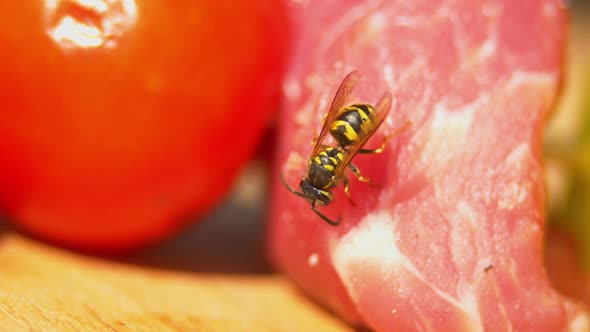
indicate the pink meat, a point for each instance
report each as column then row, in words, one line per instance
column 452, row 238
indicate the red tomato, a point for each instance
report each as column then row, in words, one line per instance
column 121, row 119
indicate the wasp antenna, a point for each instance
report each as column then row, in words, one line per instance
column 289, row 187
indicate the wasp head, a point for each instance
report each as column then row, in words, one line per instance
column 321, row 197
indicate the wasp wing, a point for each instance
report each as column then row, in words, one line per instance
column 341, row 95
column 381, row 110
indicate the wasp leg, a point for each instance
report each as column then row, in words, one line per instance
column 387, row 138
column 326, row 219
column 378, row 150
column 361, row 178
column 315, row 141
column 347, row 191
column 323, row 146
column 289, row 187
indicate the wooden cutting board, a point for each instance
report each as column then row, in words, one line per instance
column 47, row 289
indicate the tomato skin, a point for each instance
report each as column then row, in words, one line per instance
column 113, row 141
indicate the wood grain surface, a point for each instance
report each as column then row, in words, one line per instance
column 47, row 289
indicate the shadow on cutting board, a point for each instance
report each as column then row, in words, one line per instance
column 3, row 227
column 229, row 240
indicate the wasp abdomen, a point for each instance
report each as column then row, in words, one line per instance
column 352, row 122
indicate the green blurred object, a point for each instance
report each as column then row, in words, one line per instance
column 586, row 111
column 567, row 141
column 574, row 216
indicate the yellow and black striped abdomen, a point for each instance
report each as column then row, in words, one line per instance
column 353, row 122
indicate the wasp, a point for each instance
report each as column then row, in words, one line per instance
column 351, row 127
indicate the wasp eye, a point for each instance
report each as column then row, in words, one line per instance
column 325, row 197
